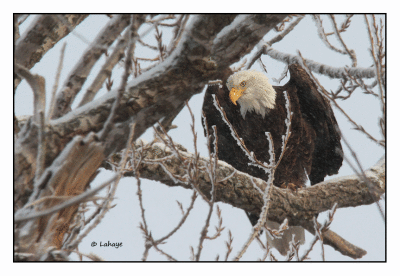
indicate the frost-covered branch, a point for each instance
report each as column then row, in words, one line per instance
column 269, row 168
column 323, row 35
column 322, row 90
column 330, row 71
column 299, row 207
column 348, row 51
column 245, row 28
column 274, row 40
column 250, row 155
column 155, row 94
column 378, row 55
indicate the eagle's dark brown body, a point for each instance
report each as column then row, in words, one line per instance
column 314, row 144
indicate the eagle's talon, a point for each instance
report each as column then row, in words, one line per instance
column 290, row 186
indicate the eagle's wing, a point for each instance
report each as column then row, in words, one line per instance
column 316, row 110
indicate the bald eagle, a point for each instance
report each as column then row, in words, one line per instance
column 253, row 107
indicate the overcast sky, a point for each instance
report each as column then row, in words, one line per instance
column 362, row 226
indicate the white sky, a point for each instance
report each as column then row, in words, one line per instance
column 361, row 226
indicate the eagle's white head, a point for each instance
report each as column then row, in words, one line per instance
column 252, row 90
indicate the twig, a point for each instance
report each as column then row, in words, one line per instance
column 73, row 201
column 326, row 94
column 319, row 231
column 378, row 69
column 269, row 169
column 160, row 46
column 178, row 31
column 41, row 147
column 128, row 62
column 212, row 171
column 229, row 245
column 254, row 161
column 107, row 203
column 323, row 35
column 361, row 174
column 106, row 69
column 319, row 235
column 275, row 39
column 183, row 219
column 55, row 86
column 351, row 53
column 283, row 75
column 218, row 229
column 288, row 122
column 280, row 36
column 147, row 45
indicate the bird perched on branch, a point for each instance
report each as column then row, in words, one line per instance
column 312, row 148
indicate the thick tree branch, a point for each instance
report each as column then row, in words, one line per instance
column 69, row 175
column 37, row 83
column 152, row 96
column 205, row 50
column 41, row 36
column 79, row 74
column 298, row 207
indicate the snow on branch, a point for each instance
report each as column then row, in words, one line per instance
column 316, row 67
column 323, row 36
column 82, row 69
column 227, row 45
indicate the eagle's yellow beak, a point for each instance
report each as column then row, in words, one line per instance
column 235, row 94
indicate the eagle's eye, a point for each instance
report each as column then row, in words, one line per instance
column 243, row 84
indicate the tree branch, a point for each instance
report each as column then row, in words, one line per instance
column 153, row 95
column 298, row 207
column 41, row 36
column 79, row 74
column 330, row 71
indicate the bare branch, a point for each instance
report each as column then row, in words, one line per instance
column 135, row 23
column 274, row 40
column 299, row 207
column 322, row 90
column 41, row 148
column 29, row 50
column 37, row 83
column 251, row 28
column 75, row 200
column 105, row 72
column 332, row 72
column 378, row 65
column 351, row 53
column 55, row 86
column 323, row 35
column 161, row 90
column 181, row 222
column 78, row 76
